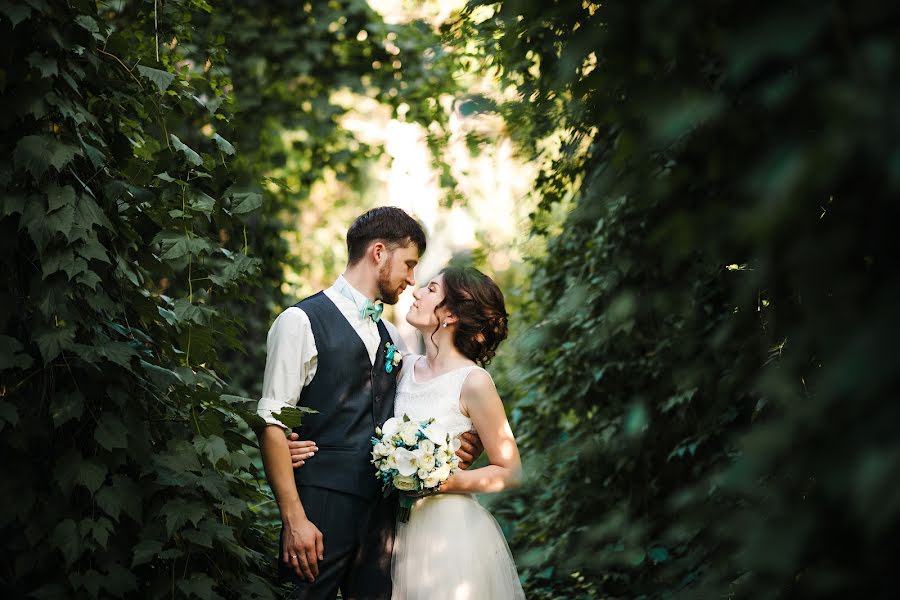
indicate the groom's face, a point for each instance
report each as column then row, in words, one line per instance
column 397, row 270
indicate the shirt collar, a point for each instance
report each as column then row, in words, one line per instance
column 342, row 286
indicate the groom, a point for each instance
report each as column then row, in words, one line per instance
column 327, row 353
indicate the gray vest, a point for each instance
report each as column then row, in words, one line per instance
column 352, row 397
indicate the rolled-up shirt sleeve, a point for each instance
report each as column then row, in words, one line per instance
column 291, row 360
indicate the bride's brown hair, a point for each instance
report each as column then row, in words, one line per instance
column 478, row 304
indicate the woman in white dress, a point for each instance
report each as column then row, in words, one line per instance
column 452, row 548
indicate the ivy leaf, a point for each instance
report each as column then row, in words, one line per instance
column 176, row 244
column 90, row 474
column 223, row 144
column 100, row 530
column 11, row 204
column 65, row 537
column 64, row 260
column 51, row 341
column 119, row 581
column 88, row 23
column 244, row 202
column 119, row 353
column 37, row 153
column 200, row 585
column 292, row 416
column 62, row 220
column 58, row 197
column 201, row 202
column 89, row 214
column 179, row 457
column 145, row 551
column 178, row 511
column 162, row 79
column 66, row 406
column 8, row 414
column 212, row 447
column 15, row 12
column 91, row 249
column 191, row 156
column 45, row 64
column 111, row 432
column 12, row 355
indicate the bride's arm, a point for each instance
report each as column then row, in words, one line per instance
column 480, row 401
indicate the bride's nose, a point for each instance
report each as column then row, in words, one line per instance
column 417, row 293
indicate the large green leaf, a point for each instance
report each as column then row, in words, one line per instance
column 37, row 153
column 162, row 79
column 66, row 406
column 111, row 432
column 53, row 340
column 244, row 202
column 12, row 355
column 65, row 537
column 179, row 511
column 190, row 154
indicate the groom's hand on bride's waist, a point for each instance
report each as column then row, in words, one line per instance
column 470, row 448
column 301, row 451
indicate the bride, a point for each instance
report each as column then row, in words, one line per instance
column 452, row 548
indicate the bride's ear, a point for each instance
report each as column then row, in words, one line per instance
column 449, row 320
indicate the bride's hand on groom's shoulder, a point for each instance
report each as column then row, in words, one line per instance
column 470, row 449
column 301, row 450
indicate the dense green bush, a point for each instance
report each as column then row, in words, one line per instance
column 705, row 389
column 141, row 213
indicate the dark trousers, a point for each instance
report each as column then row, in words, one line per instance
column 358, row 536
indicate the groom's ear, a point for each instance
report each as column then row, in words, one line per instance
column 377, row 251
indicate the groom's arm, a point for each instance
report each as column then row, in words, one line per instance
column 290, row 366
column 302, row 543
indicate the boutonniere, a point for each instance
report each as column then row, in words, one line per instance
column 392, row 357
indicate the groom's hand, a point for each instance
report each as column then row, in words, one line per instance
column 302, row 548
column 470, row 448
column 301, row 451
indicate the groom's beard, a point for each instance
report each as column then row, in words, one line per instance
column 387, row 293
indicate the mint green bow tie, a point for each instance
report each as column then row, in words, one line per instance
column 371, row 310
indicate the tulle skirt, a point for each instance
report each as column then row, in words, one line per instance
column 452, row 549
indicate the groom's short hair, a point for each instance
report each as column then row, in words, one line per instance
column 387, row 224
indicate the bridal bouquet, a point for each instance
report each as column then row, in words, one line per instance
column 413, row 456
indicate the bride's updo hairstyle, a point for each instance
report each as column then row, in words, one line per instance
column 478, row 304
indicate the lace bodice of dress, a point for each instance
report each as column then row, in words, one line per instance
column 438, row 397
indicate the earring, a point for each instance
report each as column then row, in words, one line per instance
column 445, row 323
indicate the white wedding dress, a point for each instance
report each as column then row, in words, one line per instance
column 451, row 548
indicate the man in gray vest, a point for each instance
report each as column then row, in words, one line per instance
column 328, row 353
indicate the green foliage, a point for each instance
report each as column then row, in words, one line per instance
column 705, row 405
column 125, row 473
column 157, row 153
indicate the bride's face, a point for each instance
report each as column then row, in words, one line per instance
column 421, row 314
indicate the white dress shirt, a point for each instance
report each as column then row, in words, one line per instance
column 291, row 355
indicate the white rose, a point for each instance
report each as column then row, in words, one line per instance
column 391, row 460
column 384, row 466
column 405, row 483
column 390, row 427
column 409, row 433
column 382, row 449
column 442, row 472
column 427, row 446
column 426, row 462
column 406, row 461
column 431, row 481
column 423, row 473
